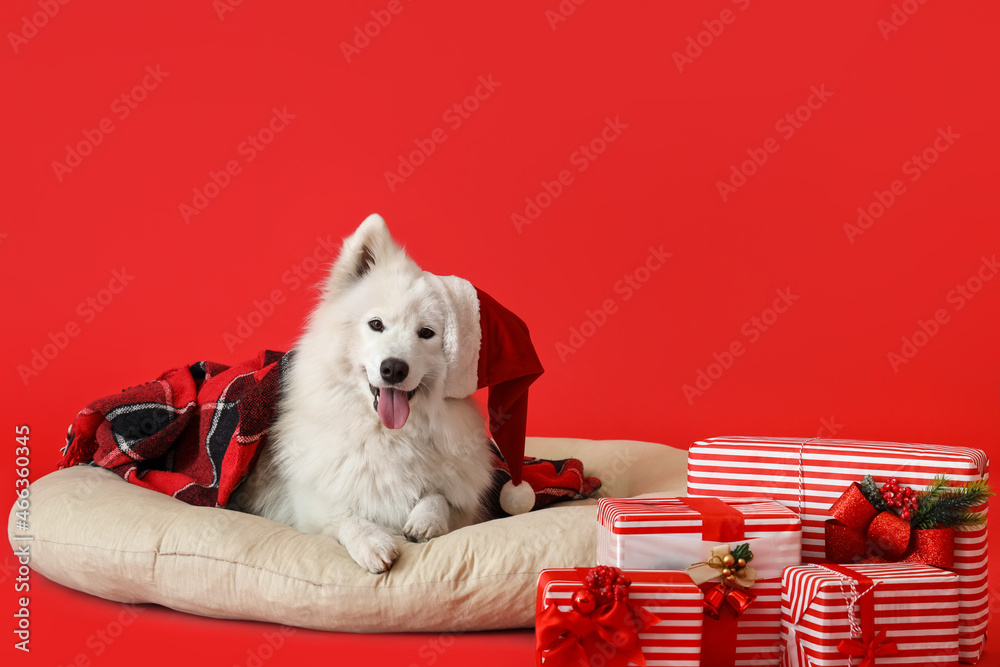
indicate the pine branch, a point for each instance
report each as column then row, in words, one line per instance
column 927, row 500
column 942, row 506
column 873, row 493
column 743, row 551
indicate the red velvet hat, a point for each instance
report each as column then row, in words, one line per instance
column 489, row 346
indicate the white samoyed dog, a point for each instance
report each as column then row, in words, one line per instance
column 365, row 444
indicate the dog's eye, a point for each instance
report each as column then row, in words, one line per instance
column 426, row 333
column 376, row 325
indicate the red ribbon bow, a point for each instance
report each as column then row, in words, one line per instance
column 876, row 647
column 570, row 638
column 860, row 533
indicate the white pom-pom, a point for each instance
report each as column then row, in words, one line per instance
column 517, row 499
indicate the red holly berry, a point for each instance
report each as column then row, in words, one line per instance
column 607, row 583
column 903, row 500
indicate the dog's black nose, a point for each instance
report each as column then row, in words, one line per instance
column 394, row 370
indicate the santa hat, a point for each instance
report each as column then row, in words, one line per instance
column 489, row 346
column 486, row 345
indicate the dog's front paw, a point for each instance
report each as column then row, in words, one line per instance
column 421, row 529
column 428, row 519
column 375, row 552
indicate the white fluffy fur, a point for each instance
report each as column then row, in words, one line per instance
column 330, row 466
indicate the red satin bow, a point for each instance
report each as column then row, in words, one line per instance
column 570, row 638
column 878, row 646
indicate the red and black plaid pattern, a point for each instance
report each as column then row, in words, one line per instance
column 552, row 482
column 194, row 434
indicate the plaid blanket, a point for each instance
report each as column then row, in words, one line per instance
column 195, row 433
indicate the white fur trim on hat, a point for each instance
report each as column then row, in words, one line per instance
column 517, row 499
column 462, row 335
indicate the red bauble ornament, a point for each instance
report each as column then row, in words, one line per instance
column 584, row 601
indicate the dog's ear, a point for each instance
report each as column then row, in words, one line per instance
column 369, row 245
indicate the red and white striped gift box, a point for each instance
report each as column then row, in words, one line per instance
column 670, row 595
column 807, row 475
column 666, row 533
column 916, row 605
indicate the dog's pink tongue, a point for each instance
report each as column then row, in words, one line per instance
column 393, row 408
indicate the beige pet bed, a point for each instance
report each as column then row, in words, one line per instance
column 98, row 534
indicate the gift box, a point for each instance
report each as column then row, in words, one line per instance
column 810, row 475
column 575, row 627
column 879, row 614
column 680, row 533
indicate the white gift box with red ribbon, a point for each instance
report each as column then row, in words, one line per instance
column 808, row 474
column 892, row 613
column 670, row 533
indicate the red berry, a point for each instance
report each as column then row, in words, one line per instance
column 892, row 481
column 890, row 495
column 905, row 515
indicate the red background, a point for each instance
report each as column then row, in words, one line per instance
column 822, row 365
